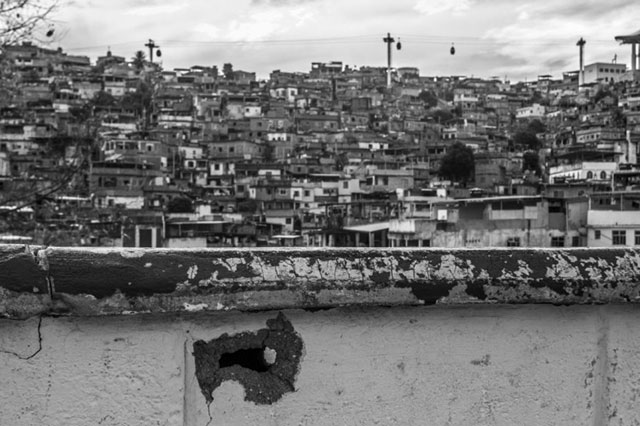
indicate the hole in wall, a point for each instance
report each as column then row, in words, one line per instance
column 252, row 358
column 265, row 362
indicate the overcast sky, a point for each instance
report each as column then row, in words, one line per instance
column 517, row 39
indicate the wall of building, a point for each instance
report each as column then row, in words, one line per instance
column 190, row 242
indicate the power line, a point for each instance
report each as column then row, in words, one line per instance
column 410, row 39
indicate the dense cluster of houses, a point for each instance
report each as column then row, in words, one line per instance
column 123, row 153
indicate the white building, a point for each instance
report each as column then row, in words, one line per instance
column 604, row 72
column 613, row 220
column 586, row 170
column 531, row 111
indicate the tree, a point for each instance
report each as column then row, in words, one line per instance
column 527, row 139
column 531, row 161
column 227, row 71
column 458, row 164
column 38, row 183
column 139, row 60
column 139, row 100
column 618, row 119
column 180, row 205
column 429, row 98
column 26, row 20
column 441, row 116
column 103, row 99
column 536, row 126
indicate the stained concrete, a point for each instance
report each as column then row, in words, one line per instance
column 78, row 281
column 447, row 337
column 445, row 365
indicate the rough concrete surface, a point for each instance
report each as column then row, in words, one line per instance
column 243, row 358
column 444, row 365
column 79, row 281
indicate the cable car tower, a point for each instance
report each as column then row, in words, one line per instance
column 390, row 40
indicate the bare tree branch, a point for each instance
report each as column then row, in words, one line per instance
column 22, row 19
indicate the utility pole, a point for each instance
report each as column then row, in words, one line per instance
column 152, row 45
column 581, row 44
column 388, row 39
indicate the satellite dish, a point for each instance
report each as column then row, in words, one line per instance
column 452, row 50
column 158, row 53
column 398, row 45
column 50, row 32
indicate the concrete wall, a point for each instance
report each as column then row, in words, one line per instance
column 474, row 365
column 198, row 337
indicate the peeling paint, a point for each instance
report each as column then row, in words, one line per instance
column 195, row 308
column 131, row 254
column 255, row 279
column 192, row 272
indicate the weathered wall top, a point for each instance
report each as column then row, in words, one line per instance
column 81, row 281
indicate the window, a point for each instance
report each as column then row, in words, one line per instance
column 426, row 243
column 619, row 237
column 603, row 175
column 307, row 193
column 345, row 185
column 597, row 234
column 296, row 193
column 288, row 221
column 637, row 238
column 589, row 175
column 557, row 241
column 575, row 241
column 513, row 242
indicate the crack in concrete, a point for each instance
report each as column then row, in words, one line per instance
column 37, row 351
column 601, row 400
column 209, row 413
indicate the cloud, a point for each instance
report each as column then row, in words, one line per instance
column 279, row 3
column 206, row 30
column 155, row 9
column 266, row 23
column 433, row 7
column 586, row 9
column 557, row 63
column 544, row 34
